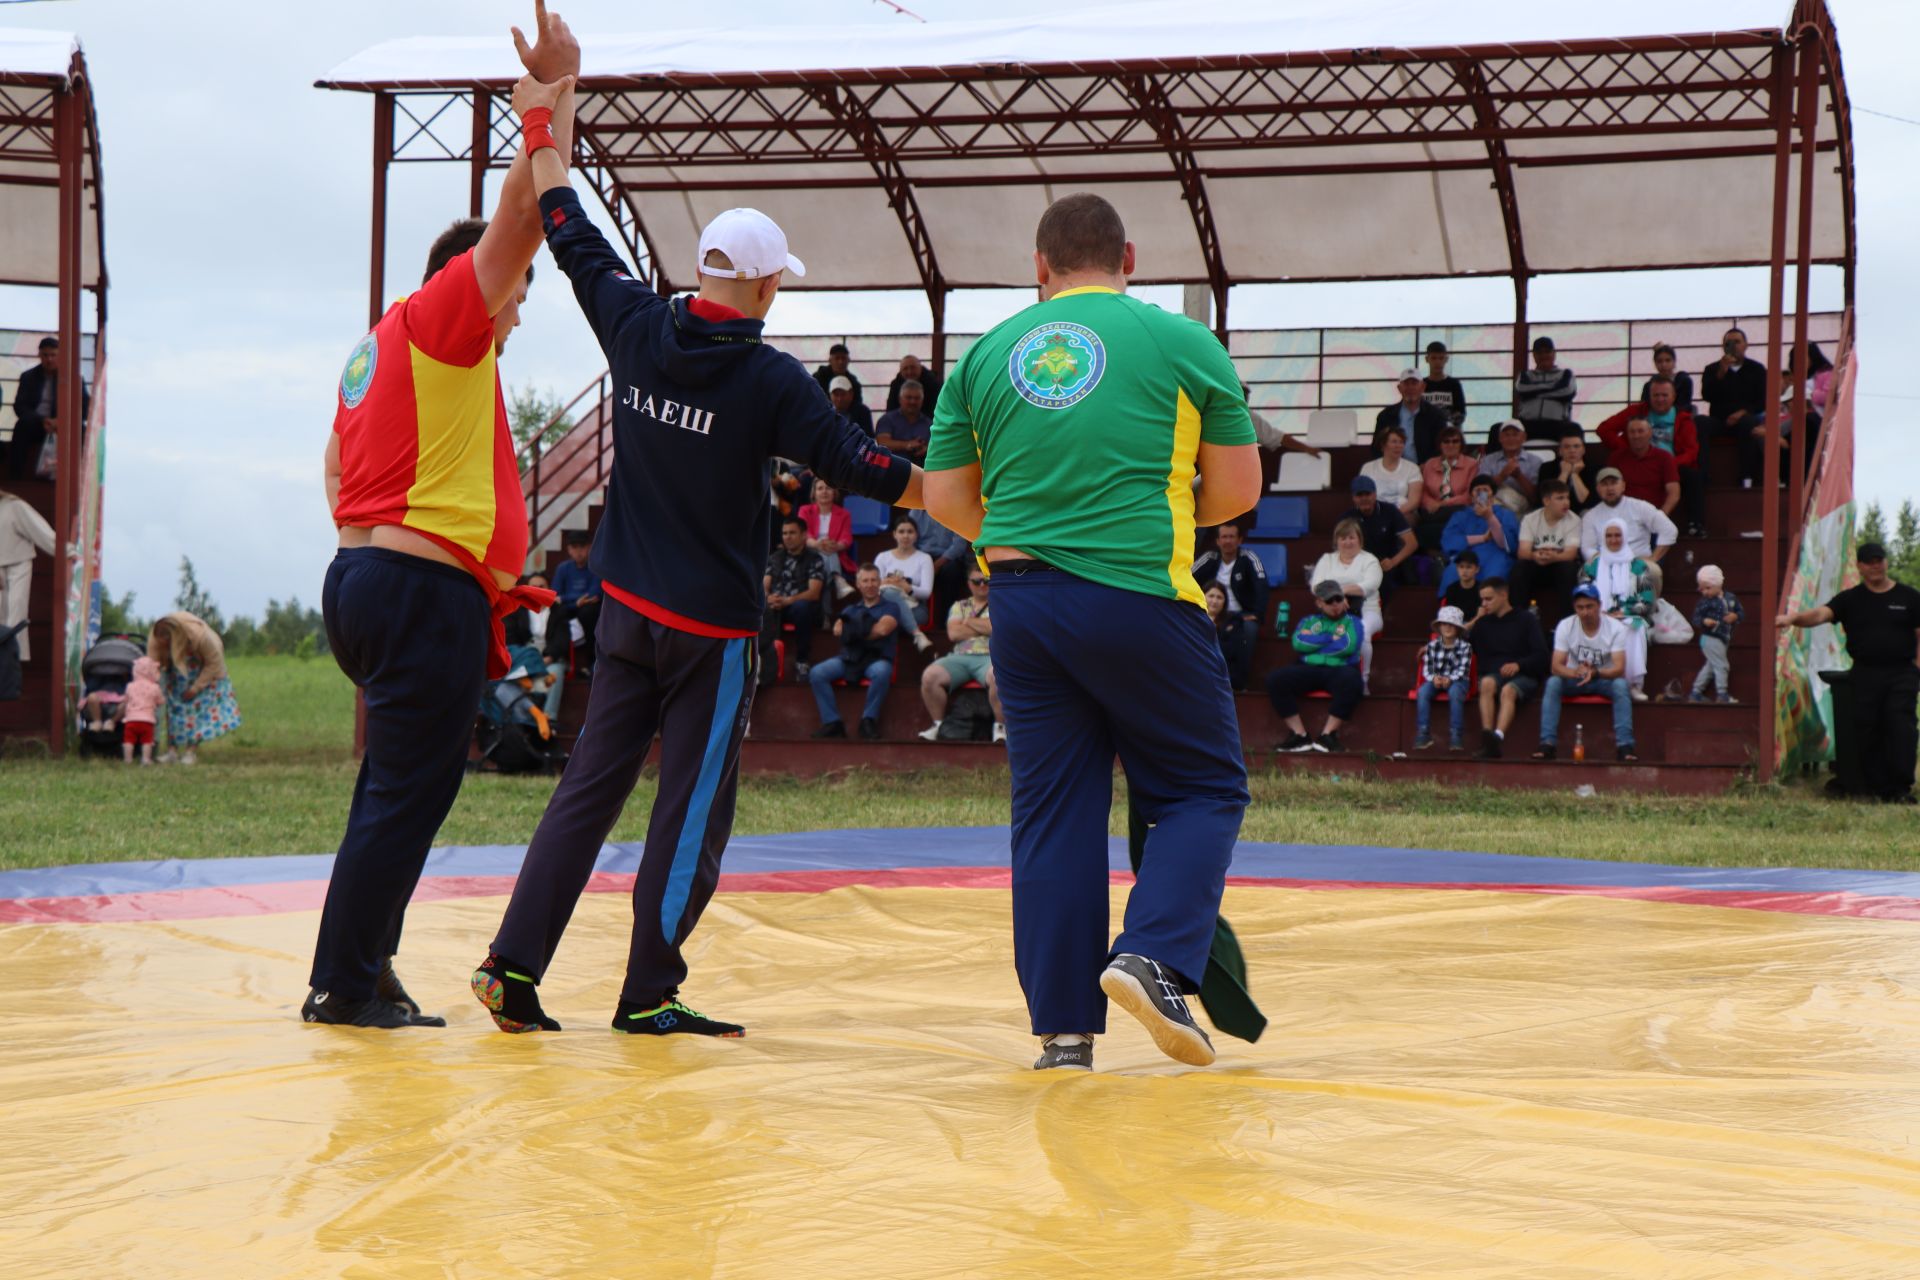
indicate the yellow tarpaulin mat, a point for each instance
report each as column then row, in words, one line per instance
column 1456, row 1084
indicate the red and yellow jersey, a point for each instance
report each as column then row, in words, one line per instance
column 423, row 431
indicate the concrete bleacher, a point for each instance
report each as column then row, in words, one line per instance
column 1683, row 748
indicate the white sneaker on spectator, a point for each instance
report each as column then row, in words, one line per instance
column 931, row 733
column 999, row 732
column 842, row 588
column 921, row 642
column 1637, row 694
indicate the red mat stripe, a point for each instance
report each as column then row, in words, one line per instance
column 306, row 895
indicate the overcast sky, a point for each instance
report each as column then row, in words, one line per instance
column 236, row 217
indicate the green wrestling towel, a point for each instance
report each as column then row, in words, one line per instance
column 1223, row 988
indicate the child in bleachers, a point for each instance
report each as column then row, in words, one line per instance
column 1714, row 619
column 1463, row 596
column 1444, row 668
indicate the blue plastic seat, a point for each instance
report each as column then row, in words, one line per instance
column 869, row 516
column 1281, row 518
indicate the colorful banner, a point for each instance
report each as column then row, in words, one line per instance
column 1822, row 565
column 83, row 575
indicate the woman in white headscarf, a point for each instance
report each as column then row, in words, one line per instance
column 1625, row 583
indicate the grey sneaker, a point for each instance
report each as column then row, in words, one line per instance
column 1071, row 1057
column 1151, row 993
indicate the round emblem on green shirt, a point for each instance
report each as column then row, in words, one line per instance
column 1057, row 365
column 358, row 375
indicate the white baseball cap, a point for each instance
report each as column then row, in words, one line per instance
column 841, row 383
column 1408, row 375
column 752, row 241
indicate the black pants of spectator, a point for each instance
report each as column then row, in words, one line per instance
column 1883, row 701
column 1693, row 494
column 1285, row 686
column 805, row 617
column 1548, row 585
column 413, row 635
column 949, row 588
column 564, row 613
column 697, row 692
column 1426, row 534
column 23, row 454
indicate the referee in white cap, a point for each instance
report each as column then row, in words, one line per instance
column 701, row 407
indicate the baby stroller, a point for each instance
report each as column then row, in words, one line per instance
column 107, row 669
column 513, row 733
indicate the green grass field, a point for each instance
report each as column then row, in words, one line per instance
column 281, row 785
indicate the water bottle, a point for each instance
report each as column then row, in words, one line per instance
column 1579, row 746
column 1286, row 617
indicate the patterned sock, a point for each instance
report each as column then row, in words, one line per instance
column 510, row 995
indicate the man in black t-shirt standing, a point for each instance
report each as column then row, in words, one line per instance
column 1882, row 622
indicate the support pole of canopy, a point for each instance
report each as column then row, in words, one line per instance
column 382, row 155
column 482, row 152
column 1150, row 98
column 1486, row 119
column 1520, row 335
column 937, row 356
column 1780, row 101
column 66, row 130
column 1809, row 93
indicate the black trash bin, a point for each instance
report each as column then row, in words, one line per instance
column 1849, row 772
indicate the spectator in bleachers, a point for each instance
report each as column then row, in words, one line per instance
column 1627, row 590
column 906, row 430
column 847, row 403
column 868, row 627
column 1650, row 535
column 1384, row 531
column 1358, row 572
column 1649, row 474
column 1445, row 665
column 536, row 627
column 1231, row 630
column 1820, row 375
column 1396, row 478
column 1464, row 594
column 1329, row 646
column 22, row 532
column 952, row 555
column 1571, row 468
column 906, row 578
column 1589, row 660
column 1513, row 470
column 970, row 628
column 1272, row 438
column 795, row 582
column 1543, row 396
column 1512, row 654
column 1243, row 577
column 1663, row 367
column 578, row 590
column 1490, row 530
column 1441, row 391
column 1548, row 563
column 911, row 370
column 1670, row 428
column 1715, row 616
column 830, row 532
column 36, row 409
column 1444, row 482
column 1735, row 389
column 1420, row 423
column 837, row 366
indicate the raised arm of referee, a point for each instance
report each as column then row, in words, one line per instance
column 702, row 406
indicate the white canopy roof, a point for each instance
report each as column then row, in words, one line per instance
column 1242, row 141
column 34, row 67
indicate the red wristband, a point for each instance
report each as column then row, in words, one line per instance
column 536, row 129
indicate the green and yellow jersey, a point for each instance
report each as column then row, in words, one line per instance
column 1086, row 413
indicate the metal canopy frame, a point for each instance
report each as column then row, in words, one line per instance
column 1658, row 98
column 49, row 137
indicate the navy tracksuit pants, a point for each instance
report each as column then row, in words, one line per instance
column 413, row 635
column 1086, row 672
column 696, row 692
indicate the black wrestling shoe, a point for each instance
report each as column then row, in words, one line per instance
column 671, row 1018
column 1055, row 1056
column 334, row 1011
column 1151, row 993
column 387, row 987
column 509, row 996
